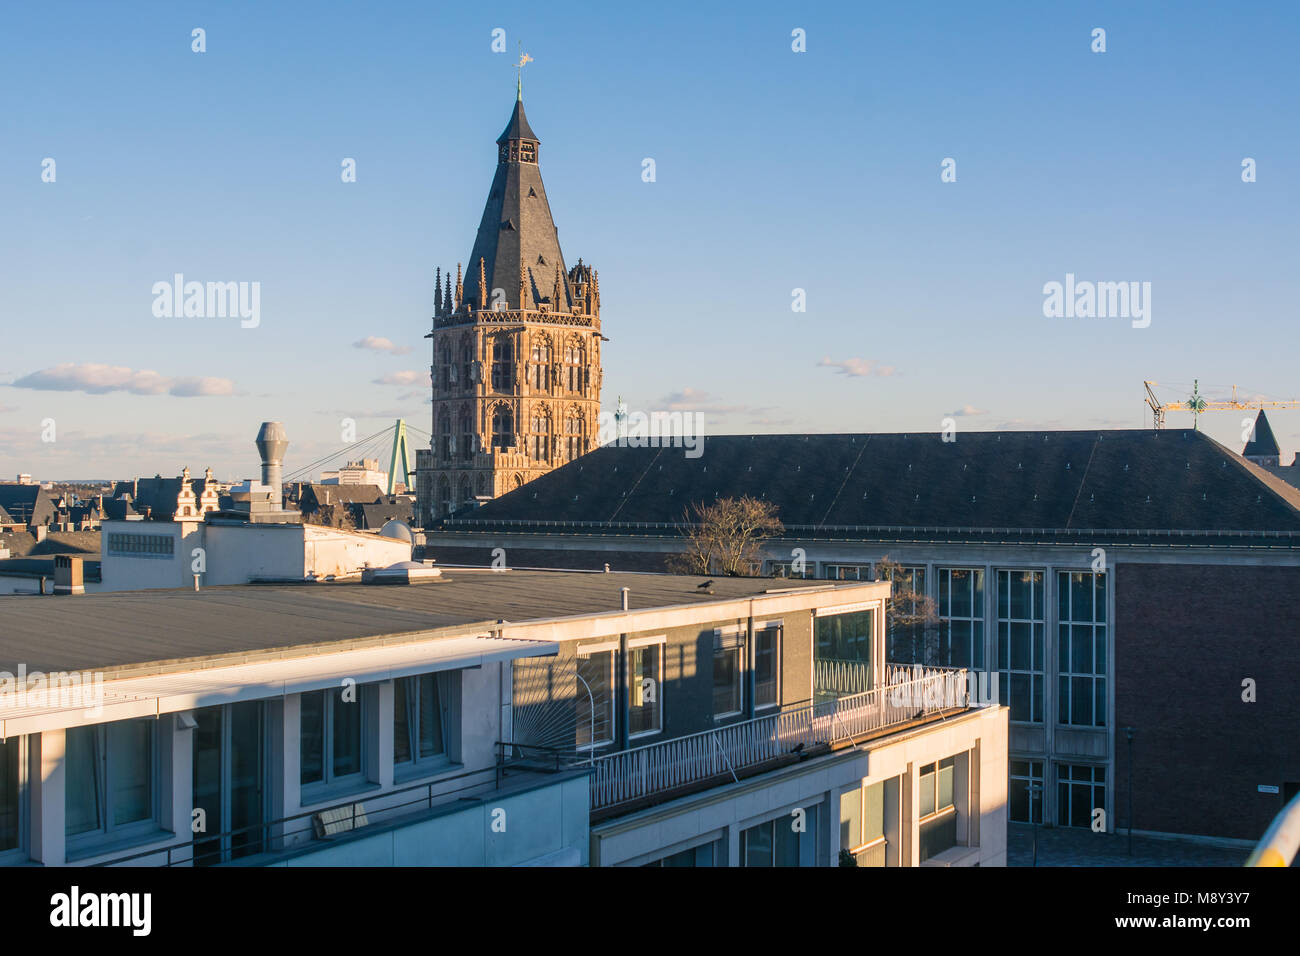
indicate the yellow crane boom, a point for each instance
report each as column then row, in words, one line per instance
column 1195, row 404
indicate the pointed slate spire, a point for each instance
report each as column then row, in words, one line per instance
column 516, row 231
column 437, row 292
column 1262, row 448
column 460, row 287
column 447, row 304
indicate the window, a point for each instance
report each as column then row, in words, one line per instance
column 862, row 824
column 467, row 361
column 141, row 545
column 1080, row 790
column 936, row 810
column 331, row 736
column 575, row 361
column 1020, row 643
column 786, row 569
column 727, row 649
column 596, row 669
column 539, row 369
column 961, row 617
column 767, row 665
column 444, row 435
column 847, row 572
column 466, row 435
column 645, row 664
column 444, row 494
column 906, row 641
column 706, row 854
column 1026, row 791
column 843, row 652
column 539, row 442
column 422, row 720
column 11, row 794
column 573, row 435
column 503, row 428
column 111, row 773
column 444, row 355
column 789, row 840
column 1081, row 648
column 503, row 365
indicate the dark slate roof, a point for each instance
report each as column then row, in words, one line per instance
column 1063, row 480
column 4, row 517
column 340, row 494
column 518, row 127
column 28, row 503
column 375, row 516
column 517, row 228
column 1262, row 442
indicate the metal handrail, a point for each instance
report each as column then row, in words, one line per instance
column 643, row 771
column 268, row 832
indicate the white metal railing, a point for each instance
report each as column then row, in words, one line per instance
column 833, row 676
column 634, row 774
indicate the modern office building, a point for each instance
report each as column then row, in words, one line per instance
column 1105, row 580
column 488, row 718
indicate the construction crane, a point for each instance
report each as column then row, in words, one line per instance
column 1196, row 404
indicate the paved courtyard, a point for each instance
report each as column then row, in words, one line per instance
column 1068, row 846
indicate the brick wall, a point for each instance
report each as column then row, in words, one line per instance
column 1187, row 636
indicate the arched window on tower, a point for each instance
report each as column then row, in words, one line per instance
column 467, row 359
column 444, row 495
column 503, row 364
column 573, row 435
column 503, row 427
column 444, row 435
column 444, row 361
column 539, row 441
column 466, row 435
column 466, row 492
column 575, row 361
column 539, row 368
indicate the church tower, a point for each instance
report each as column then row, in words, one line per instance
column 516, row 369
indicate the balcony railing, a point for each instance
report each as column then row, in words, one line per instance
column 686, row 761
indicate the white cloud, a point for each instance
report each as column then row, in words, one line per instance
column 405, row 377
column 857, row 368
column 379, row 344
column 967, row 411
column 98, row 379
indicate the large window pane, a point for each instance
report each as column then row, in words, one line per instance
column 83, row 763
column 347, row 735
column 1020, row 643
column 431, row 731
column 403, row 720
column 851, row 819
column 312, row 737
column 926, row 795
column 9, row 793
column 767, row 649
column 130, row 770
column 644, row 671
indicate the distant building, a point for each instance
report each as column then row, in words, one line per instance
column 1105, row 579
column 167, row 499
column 363, row 472
column 1263, row 450
column 516, row 368
column 26, row 505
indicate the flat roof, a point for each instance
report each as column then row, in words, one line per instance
column 129, row 633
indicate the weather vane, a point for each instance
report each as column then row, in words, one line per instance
column 519, row 72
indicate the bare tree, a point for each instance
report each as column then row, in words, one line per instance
column 725, row 537
column 912, row 617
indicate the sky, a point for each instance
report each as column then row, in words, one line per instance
column 775, row 171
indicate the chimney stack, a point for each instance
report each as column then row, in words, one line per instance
column 272, row 440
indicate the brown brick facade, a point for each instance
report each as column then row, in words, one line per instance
column 1187, row 636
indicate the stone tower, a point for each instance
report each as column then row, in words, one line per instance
column 516, row 369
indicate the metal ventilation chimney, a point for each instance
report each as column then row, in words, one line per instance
column 272, row 440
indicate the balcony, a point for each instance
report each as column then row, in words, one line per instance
column 657, row 772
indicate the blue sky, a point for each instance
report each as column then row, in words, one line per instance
column 775, row 170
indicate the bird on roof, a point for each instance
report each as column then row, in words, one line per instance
column 705, row 586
